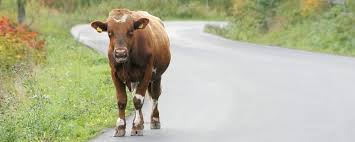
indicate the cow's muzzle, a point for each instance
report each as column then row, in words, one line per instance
column 120, row 55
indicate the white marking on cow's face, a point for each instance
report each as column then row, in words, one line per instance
column 139, row 97
column 155, row 104
column 120, row 122
column 155, row 119
column 122, row 19
column 137, row 118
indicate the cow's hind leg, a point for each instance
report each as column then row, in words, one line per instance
column 155, row 91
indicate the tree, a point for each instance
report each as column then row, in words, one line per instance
column 21, row 12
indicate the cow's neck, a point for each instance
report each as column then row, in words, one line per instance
column 129, row 72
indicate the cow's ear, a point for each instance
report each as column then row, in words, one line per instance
column 99, row 26
column 141, row 23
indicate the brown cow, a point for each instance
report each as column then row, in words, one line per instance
column 138, row 56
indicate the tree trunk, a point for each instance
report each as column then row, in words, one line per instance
column 21, row 13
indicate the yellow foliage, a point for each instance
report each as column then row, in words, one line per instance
column 238, row 5
column 310, row 6
column 18, row 56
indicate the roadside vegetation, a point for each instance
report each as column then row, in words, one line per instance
column 314, row 25
column 53, row 88
column 165, row 9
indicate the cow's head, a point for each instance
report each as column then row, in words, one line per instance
column 121, row 28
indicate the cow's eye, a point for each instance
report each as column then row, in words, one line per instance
column 130, row 33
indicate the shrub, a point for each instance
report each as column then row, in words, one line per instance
column 20, row 49
column 312, row 6
column 258, row 13
column 18, row 44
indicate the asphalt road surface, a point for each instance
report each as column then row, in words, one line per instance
column 221, row 90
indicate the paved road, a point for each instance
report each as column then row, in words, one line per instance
column 222, row 90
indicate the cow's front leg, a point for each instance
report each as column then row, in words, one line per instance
column 121, row 103
column 138, row 100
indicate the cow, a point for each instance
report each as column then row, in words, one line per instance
column 138, row 54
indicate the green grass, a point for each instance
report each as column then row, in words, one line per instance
column 70, row 98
